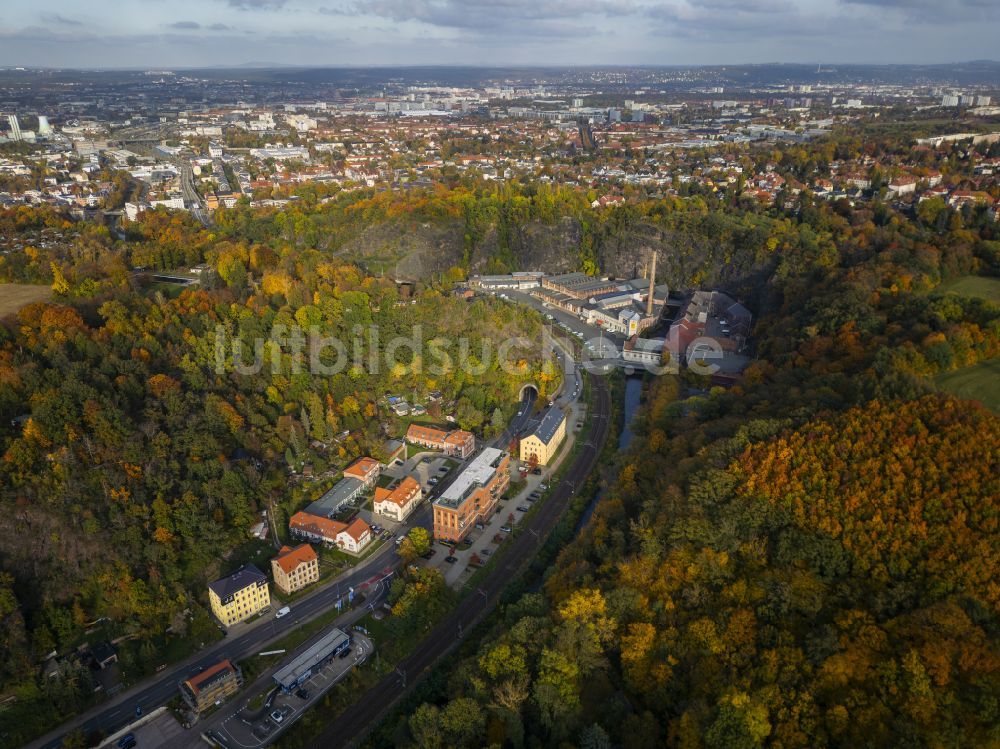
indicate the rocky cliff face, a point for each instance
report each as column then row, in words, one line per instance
column 685, row 259
column 410, row 250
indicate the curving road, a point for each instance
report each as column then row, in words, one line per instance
column 353, row 724
column 245, row 641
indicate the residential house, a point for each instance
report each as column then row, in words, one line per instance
column 366, row 470
column 295, row 568
column 351, row 537
column 399, row 502
column 540, row 446
column 212, row 686
column 355, row 537
column 904, row 185
column 458, row 442
column 608, row 201
column 315, row 528
column 239, row 596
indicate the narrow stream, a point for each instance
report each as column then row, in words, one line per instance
column 633, row 396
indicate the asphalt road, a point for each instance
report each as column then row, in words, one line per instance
column 354, row 723
column 195, row 204
column 121, row 709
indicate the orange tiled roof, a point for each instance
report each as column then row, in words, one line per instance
column 315, row 524
column 458, row 437
column 288, row 558
column 195, row 682
column 417, row 432
column 361, row 467
column 357, row 529
column 402, row 494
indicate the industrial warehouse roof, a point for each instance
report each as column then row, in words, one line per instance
column 290, row 673
column 549, row 424
column 244, row 577
column 345, row 489
column 579, row 283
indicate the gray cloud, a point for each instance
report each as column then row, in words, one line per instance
column 525, row 17
column 745, row 6
column 55, row 18
column 257, row 4
column 938, row 11
column 728, row 21
column 525, row 31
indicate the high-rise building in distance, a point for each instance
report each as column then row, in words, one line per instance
column 15, row 127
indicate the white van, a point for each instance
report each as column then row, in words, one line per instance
column 283, row 611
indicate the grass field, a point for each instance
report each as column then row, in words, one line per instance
column 983, row 287
column 13, row 296
column 980, row 382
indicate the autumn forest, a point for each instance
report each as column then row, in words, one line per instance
column 807, row 558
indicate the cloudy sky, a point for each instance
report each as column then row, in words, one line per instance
column 150, row 33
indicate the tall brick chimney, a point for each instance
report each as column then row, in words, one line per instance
column 652, row 285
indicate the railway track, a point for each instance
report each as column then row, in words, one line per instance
column 355, row 722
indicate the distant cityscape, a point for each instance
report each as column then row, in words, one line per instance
column 729, row 286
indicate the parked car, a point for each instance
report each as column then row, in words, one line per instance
column 126, row 741
column 344, row 653
column 542, row 487
column 480, row 526
column 534, row 495
column 522, row 508
column 505, row 528
column 277, row 716
column 302, row 694
column 537, row 471
column 485, row 552
column 450, row 559
column 429, row 553
column 432, row 480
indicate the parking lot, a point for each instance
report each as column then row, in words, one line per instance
column 483, row 542
column 599, row 344
column 162, row 731
column 250, row 728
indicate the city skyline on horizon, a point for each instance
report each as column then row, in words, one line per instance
column 481, row 33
